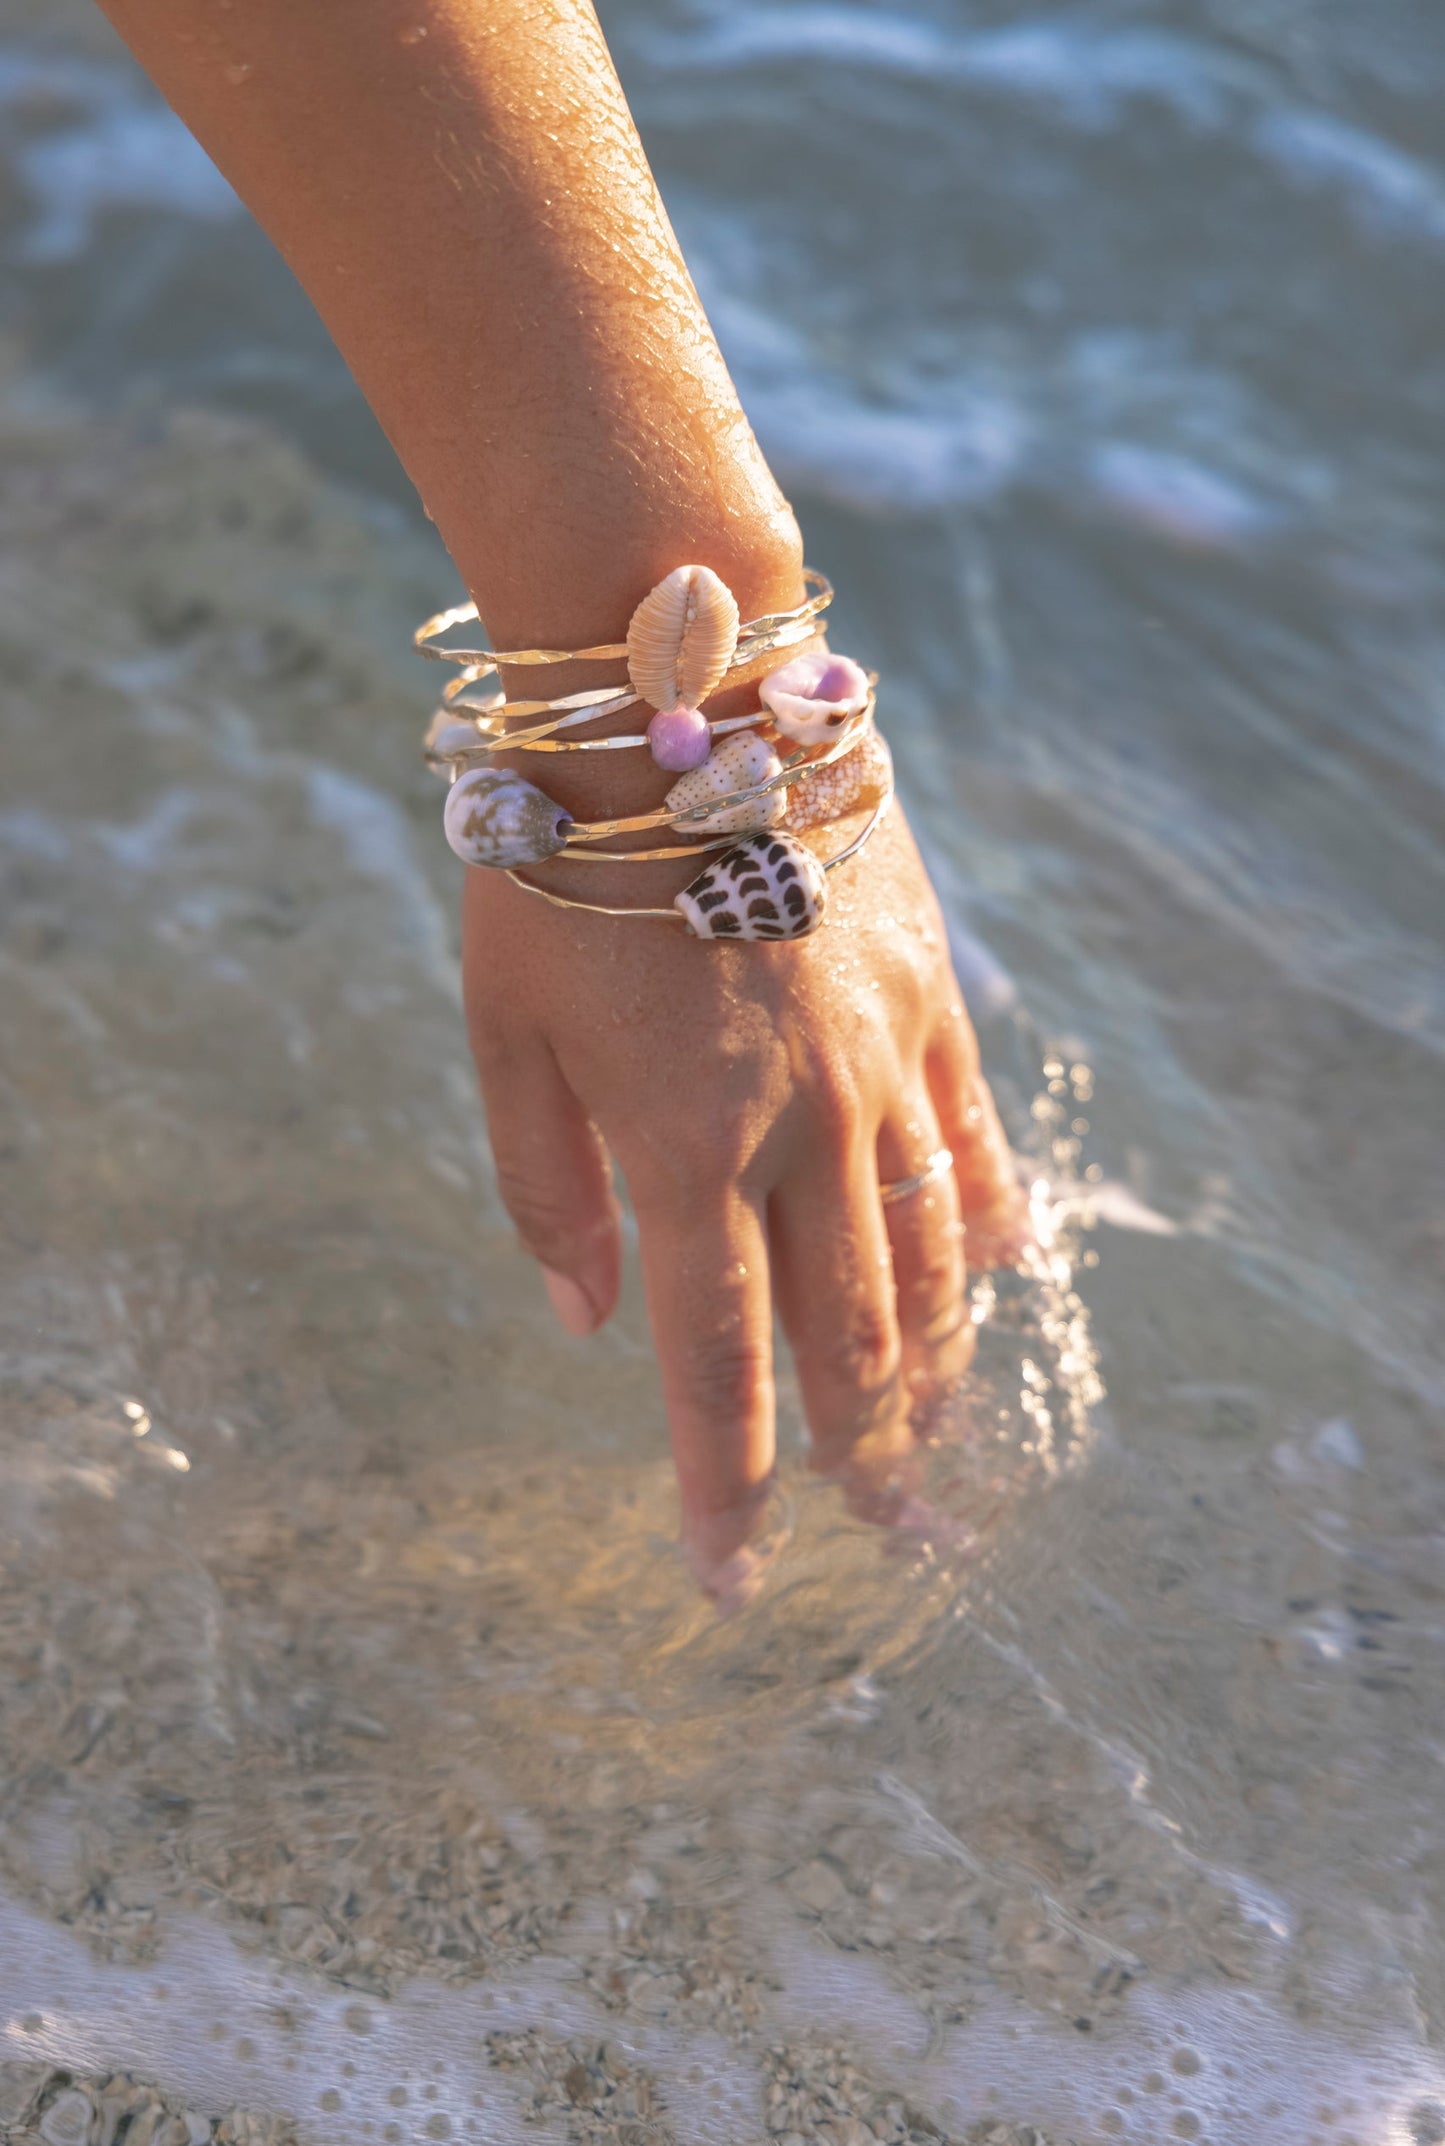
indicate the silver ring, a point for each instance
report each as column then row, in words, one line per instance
column 903, row 1188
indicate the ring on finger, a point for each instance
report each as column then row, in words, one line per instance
column 938, row 1165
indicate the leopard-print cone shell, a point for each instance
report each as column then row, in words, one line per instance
column 682, row 637
column 859, row 778
column 769, row 887
column 494, row 818
column 736, row 762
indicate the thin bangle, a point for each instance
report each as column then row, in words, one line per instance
column 673, row 915
column 792, row 624
column 793, row 769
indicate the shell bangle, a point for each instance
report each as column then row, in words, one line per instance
column 808, row 755
column 776, row 629
column 757, row 856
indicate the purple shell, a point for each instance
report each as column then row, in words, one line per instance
column 812, row 697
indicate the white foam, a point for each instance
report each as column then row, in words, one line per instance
column 219, row 2026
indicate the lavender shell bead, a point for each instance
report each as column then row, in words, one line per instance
column 494, row 818
column 813, row 696
column 680, row 739
column 736, row 762
column 769, row 887
column 826, row 793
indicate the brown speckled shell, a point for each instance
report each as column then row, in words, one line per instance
column 682, row 637
column 736, row 762
column 768, row 887
column 859, row 778
column 494, row 818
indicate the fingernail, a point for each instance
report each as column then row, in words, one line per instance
column 571, row 1303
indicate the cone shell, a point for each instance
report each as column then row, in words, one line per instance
column 736, row 762
column 812, row 697
column 859, row 778
column 682, row 637
column 769, row 887
column 494, row 818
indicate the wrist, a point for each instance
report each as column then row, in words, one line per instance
column 604, row 785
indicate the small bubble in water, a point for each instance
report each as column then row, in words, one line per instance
column 412, row 34
column 331, row 2099
column 1187, row 2061
column 397, row 2097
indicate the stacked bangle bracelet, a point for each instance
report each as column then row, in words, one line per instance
column 748, row 786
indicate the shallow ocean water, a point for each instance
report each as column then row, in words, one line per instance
column 365, row 1755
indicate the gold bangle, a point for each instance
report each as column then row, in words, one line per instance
column 793, row 769
column 683, row 643
column 792, row 624
column 674, row 915
column 487, row 720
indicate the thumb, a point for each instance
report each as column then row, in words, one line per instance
column 555, row 1179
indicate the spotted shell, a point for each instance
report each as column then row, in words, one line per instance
column 736, row 762
column 813, row 696
column 492, row 817
column 861, row 777
column 681, row 638
column 769, row 887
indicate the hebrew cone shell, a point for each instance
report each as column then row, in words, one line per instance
column 736, row 762
column 494, row 818
column 768, row 887
column 682, row 637
column 859, row 778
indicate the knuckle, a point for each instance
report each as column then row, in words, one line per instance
column 675, row 1170
column 834, row 1105
column 545, row 1213
column 725, row 1373
column 862, row 1351
column 936, row 1281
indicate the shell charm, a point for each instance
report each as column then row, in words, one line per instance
column 492, row 817
column 681, row 638
column 769, row 887
column 813, row 696
column 736, row 762
column 861, row 777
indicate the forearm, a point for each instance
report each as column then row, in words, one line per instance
column 459, row 188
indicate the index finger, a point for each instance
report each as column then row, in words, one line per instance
column 709, row 1300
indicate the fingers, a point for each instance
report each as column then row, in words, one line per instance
column 834, row 1281
column 554, row 1178
column 991, row 1202
column 925, row 1235
column 705, row 1273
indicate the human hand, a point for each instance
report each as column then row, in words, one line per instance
column 753, row 1097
